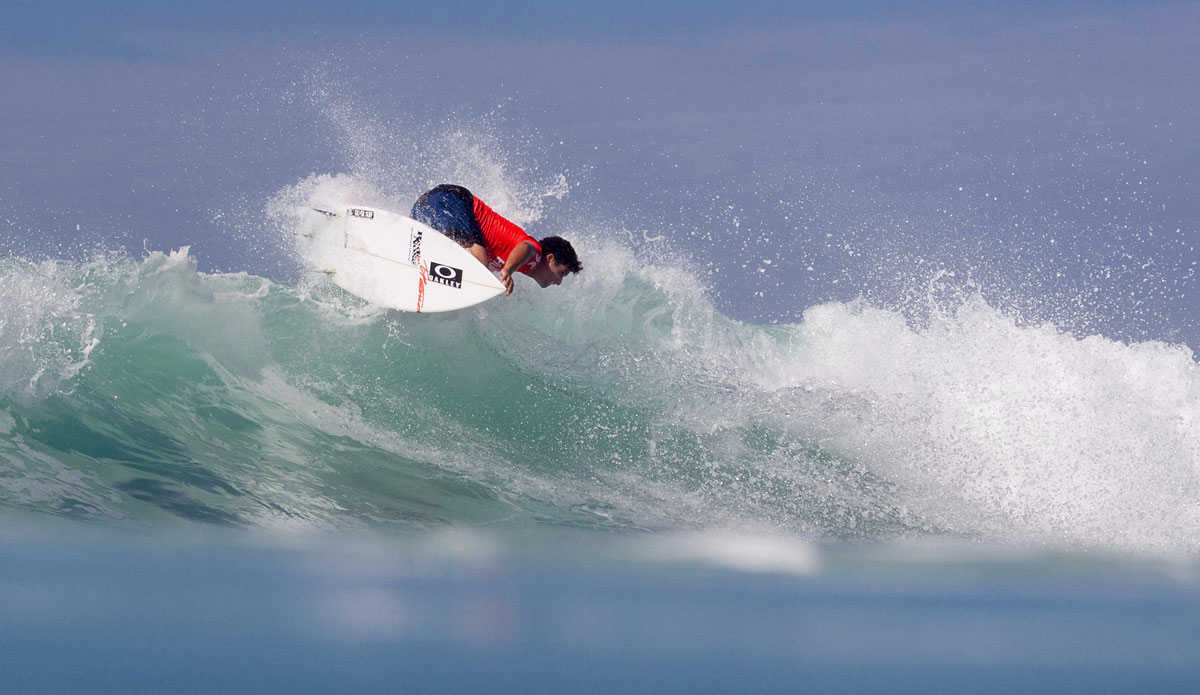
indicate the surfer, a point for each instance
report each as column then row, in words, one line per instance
column 494, row 241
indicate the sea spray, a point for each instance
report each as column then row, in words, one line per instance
column 46, row 335
column 1020, row 433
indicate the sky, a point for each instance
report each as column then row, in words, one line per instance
column 1046, row 154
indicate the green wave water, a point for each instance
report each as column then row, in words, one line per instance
column 141, row 392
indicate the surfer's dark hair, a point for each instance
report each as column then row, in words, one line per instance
column 563, row 252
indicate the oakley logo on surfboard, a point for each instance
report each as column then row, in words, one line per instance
column 445, row 275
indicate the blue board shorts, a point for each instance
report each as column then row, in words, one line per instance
column 450, row 209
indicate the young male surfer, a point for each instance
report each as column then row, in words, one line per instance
column 496, row 242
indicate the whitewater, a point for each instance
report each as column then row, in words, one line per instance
column 139, row 392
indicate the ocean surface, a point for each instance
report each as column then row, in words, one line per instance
column 212, row 479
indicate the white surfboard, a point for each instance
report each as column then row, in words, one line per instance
column 396, row 262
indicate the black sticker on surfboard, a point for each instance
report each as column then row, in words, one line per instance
column 445, row 275
column 365, row 214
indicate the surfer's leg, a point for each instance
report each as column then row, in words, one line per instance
column 478, row 252
column 444, row 211
column 458, row 236
column 448, row 209
column 450, row 213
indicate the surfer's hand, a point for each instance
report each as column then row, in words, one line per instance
column 520, row 255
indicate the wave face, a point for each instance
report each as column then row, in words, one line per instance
column 136, row 392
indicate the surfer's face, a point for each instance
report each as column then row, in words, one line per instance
column 550, row 271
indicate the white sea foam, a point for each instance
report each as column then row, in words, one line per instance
column 1010, row 432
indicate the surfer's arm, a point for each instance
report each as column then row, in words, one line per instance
column 519, row 256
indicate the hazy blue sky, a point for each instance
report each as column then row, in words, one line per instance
column 1050, row 151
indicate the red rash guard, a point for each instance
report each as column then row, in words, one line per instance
column 501, row 237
